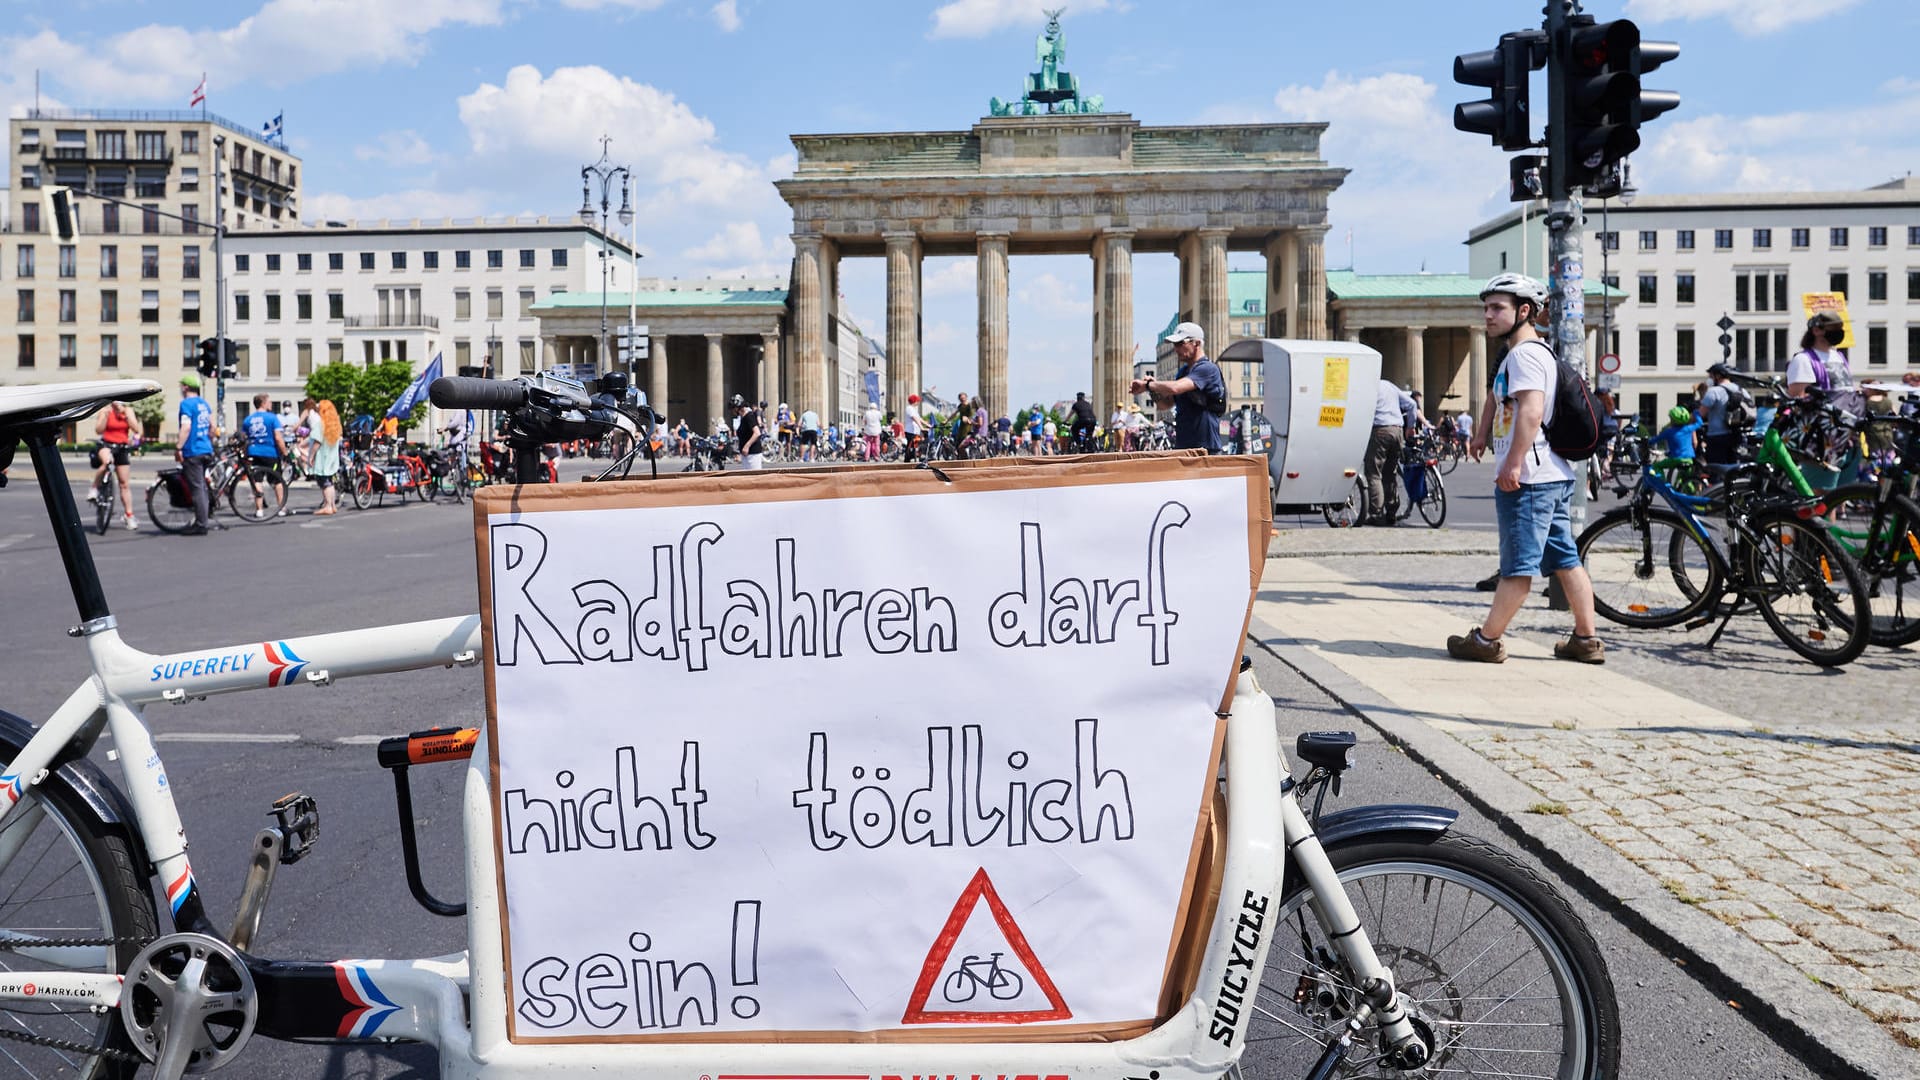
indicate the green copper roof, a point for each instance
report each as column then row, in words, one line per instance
column 1246, row 293
column 668, row 298
column 1347, row 285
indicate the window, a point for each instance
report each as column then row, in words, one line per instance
column 1683, row 239
column 24, row 261
column 1683, row 347
column 273, row 262
column 68, row 264
column 1649, row 240
column 273, row 359
column 242, row 263
column 150, row 306
column 150, row 350
column 109, row 305
column 110, row 350
column 336, row 305
column 462, row 352
column 1837, row 236
column 242, row 307
column 495, row 304
column 243, row 359
column 24, row 311
column 26, row 350
column 303, row 306
column 366, row 260
column 462, row 304
column 190, row 220
column 463, row 260
column 399, row 260
column 1876, row 285
column 189, row 142
column 526, row 258
column 1723, row 239
column 69, row 306
column 190, row 306
column 303, row 359
column 1743, row 347
column 149, row 262
column 1610, row 240
column 150, row 220
column 273, row 307
column 526, row 303
column 336, row 352
column 336, row 260
column 1876, row 345
column 496, row 259
column 1740, row 300
column 1913, row 293
column 1649, row 348
column 303, row 261
column 560, row 258
column 1780, row 292
column 151, row 145
column 1649, row 289
column 111, row 145
column 1762, row 239
column 1801, row 238
column 69, row 351
column 109, row 261
column 189, row 350
column 1837, row 281
column 109, row 218
column 30, row 176
column 1876, row 236
column 430, row 260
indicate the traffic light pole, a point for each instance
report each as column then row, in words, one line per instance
column 1566, row 270
column 219, row 282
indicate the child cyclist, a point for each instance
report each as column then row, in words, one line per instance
column 1675, row 444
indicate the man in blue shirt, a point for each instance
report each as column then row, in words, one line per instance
column 1198, row 392
column 266, row 446
column 193, row 449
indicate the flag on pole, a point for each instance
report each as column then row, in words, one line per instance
column 416, row 391
column 270, row 131
column 199, row 92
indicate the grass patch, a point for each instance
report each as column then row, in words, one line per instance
column 1556, row 808
column 1679, row 891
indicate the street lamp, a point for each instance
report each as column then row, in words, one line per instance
column 608, row 175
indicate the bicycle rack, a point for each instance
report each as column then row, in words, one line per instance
column 421, row 748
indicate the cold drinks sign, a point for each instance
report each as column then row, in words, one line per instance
column 884, row 754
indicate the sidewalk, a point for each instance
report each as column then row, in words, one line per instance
column 1783, row 859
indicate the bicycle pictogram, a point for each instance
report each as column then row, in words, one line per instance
column 963, row 983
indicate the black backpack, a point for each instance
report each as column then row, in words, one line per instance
column 1742, row 413
column 1573, row 430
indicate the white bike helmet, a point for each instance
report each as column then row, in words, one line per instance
column 1519, row 286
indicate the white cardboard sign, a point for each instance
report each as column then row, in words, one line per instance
column 854, row 764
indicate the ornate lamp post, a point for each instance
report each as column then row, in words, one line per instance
column 608, row 175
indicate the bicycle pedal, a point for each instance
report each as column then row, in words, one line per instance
column 298, row 818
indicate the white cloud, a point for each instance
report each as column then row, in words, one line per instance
column 738, row 241
column 978, row 18
column 1858, row 146
column 1747, row 17
column 726, row 14
column 397, row 148
column 405, row 205
column 1055, row 297
column 596, row 5
column 953, row 278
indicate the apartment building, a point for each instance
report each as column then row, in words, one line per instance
column 133, row 292
column 463, row 289
column 1684, row 261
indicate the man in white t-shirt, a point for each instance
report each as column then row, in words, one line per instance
column 1534, row 484
column 870, row 429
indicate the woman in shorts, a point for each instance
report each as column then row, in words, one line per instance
column 115, row 428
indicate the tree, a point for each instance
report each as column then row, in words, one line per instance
column 151, row 412
column 381, row 385
column 335, row 382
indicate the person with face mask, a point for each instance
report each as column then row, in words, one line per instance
column 1820, row 362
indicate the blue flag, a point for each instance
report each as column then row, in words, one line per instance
column 873, row 386
column 416, row 391
column 270, row 131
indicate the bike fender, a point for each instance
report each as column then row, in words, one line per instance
column 106, row 801
column 1365, row 821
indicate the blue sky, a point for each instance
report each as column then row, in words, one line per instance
column 458, row 107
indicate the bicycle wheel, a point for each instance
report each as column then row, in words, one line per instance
column 1810, row 592
column 358, row 484
column 103, row 504
column 65, row 875
column 1648, row 570
column 252, row 499
column 1889, row 558
column 165, row 516
column 1345, row 515
column 1500, row 976
column 1433, row 507
column 1449, row 460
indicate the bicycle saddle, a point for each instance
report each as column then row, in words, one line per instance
column 23, row 405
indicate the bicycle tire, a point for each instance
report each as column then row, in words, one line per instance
column 244, row 487
column 1449, row 461
column 1344, row 515
column 430, row 487
column 359, row 485
column 88, row 865
column 1566, row 1010
column 165, row 516
column 1433, row 508
column 1632, row 562
column 1810, row 563
column 1890, row 561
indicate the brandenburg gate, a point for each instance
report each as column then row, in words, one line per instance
column 1072, row 180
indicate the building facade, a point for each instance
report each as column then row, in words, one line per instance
column 1684, row 261
column 133, row 292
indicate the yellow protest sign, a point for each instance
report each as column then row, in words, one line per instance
column 1333, row 416
column 1333, row 386
column 1835, row 302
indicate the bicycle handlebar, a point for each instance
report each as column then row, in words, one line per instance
column 462, row 392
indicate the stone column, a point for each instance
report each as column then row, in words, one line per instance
column 1212, row 311
column 716, row 388
column 770, row 369
column 1352, row 333
column 657, row 373
column 549, row 349
column 1313, row 283
column 1417, row 364
column 809, row 327
column 1476, row 370
column 992, row 268
column 903, row 318
column 1283, row 285
column 1113, row 365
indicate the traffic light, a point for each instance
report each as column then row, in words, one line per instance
column 230, row 357
column 1648, row 55
column 1605, row 103
column 208, row 358
column 59, row 211
column 1504, row 68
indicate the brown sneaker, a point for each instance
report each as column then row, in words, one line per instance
column 1471, row 646
column 1587, row 650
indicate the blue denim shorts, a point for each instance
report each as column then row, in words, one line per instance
column 1536, row 535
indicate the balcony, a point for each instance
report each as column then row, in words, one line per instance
column 393, row 322
column 263, row 179
column 94, row 156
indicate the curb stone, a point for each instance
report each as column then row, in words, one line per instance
column 1826, row 1032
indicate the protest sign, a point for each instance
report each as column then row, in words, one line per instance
column 858, row 754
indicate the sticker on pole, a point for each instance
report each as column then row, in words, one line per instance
column 981, row 969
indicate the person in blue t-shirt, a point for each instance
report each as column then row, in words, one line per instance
column 1198, row 392
column 1672, row 447
column 266, row 446
column 194, row 449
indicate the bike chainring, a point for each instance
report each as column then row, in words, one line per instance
column 189, row 1004
column 112, row 1053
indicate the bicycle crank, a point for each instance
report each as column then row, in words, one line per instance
column 189, row 1004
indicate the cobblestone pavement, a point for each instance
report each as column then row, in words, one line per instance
column 1793, row 816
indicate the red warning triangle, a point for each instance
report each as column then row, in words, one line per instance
column 981, row 979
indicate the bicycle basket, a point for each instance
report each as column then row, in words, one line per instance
column 177, row 494
column 1415, row 474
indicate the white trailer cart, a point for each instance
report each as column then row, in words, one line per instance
column 1320, row 397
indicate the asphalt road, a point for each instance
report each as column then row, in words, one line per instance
column 231, row 757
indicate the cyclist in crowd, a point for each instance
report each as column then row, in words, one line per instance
column 1722, row 439
column 1675, row 442
column 809, row 434
column 326, row 454
column 1084, row 421
column 910, row 424
column 1393, row 420
column 870, row 430
column 194, row 449
column 1198, row 392
column 1820, row 362
column 683, row 439
column 1003, row 438
column 115, row 428
column 1036, row 422
column 752, row 433
column 266, row 447
column 785, row 425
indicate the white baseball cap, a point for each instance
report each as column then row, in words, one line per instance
column 1186, row 331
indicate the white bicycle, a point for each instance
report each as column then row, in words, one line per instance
column 1402, row 946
